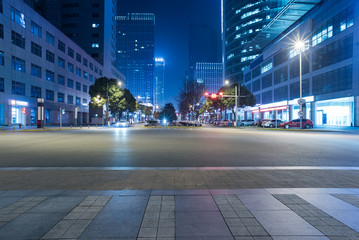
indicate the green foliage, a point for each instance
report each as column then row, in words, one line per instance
column 120, row 100
column 144, row 109
column 168, row 112
column 190, row 95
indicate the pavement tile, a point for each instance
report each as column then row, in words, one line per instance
column 195, row 203
column 166, row 232
column 149, row 223
column 57, row 204
column 201, row 224
column 239, row 231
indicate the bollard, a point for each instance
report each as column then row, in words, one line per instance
column 13, row 129
column 80, row 126
column 88, row 126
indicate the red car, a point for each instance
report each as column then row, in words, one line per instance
column 306, row 123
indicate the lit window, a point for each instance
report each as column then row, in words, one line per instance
column 17, row 17
column 267, row 66
column 95, row 25
column 95, row 45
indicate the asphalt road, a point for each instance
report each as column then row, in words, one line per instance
column 204, row 147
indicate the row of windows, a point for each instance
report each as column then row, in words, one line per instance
column 36, row 29
column 334, row 26
column 340, row 79
column 18, row 88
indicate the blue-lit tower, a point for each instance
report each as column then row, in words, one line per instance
column 135, row 53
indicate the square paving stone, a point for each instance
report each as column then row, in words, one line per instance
column 30, row 226
column 195, row 203
column 285, row 223
column 57, row 204
column 126, row 203
column 5, row 201
column 166, row 232
column 201, row 224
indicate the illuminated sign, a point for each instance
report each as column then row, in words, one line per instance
column 270, row 109
column 18, row 103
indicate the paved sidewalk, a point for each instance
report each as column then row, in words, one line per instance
column 249, row 214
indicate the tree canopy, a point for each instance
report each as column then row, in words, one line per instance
column 168, row 112
column 120, row 100
column 190, row 95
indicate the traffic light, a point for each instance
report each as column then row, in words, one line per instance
column 220, row 95
column 63, row 111
column 23, row 110
column 213, row 96
column 206, row 94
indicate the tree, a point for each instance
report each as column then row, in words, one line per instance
column 120, row 100
column 145, row 109
column 190, row 95
column 168, row 112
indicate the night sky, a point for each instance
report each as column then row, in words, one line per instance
column 171, row 32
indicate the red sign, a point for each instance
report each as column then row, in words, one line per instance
column 23, row 110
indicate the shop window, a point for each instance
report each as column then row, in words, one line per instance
column 18, row 88
column 36, row 49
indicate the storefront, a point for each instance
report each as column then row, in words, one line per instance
column 335, row 112
column 18, row 111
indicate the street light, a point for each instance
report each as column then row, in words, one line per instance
column 226, row 82
column 299, row 46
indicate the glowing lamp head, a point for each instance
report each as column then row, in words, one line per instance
column 164, row 121
column 299, row 45
column 226, row 82
column 206, row 94
column 221, row 94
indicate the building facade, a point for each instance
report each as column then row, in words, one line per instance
column 159, row 82
column 330, row 82
column 91, row 25
column 39, row 61
column 242, row 21
column 210, row 75
column 135, row 53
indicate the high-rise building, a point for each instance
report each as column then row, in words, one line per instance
column 91, row 25
column 242, row 21
column 204, row 45
column 210, row 75
column 135, row 53
column 159, row 82
column 38, row 61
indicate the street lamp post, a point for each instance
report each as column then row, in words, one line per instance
column 300, row 46
column 236, row 95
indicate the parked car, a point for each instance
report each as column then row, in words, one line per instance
column 226, row 123
column 247, row 123
column 272, row 123
column 306, row 123
column 217, row 122
column 259, row 123
column 122, row 123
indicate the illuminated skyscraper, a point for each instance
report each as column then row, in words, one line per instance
column 159, row 82
column 243, row 20
column 135, row 53
column 210, row 75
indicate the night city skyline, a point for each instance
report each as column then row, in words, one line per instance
column 173, row 19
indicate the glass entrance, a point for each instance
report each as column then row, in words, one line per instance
column 17, row 117
column 336, row 112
